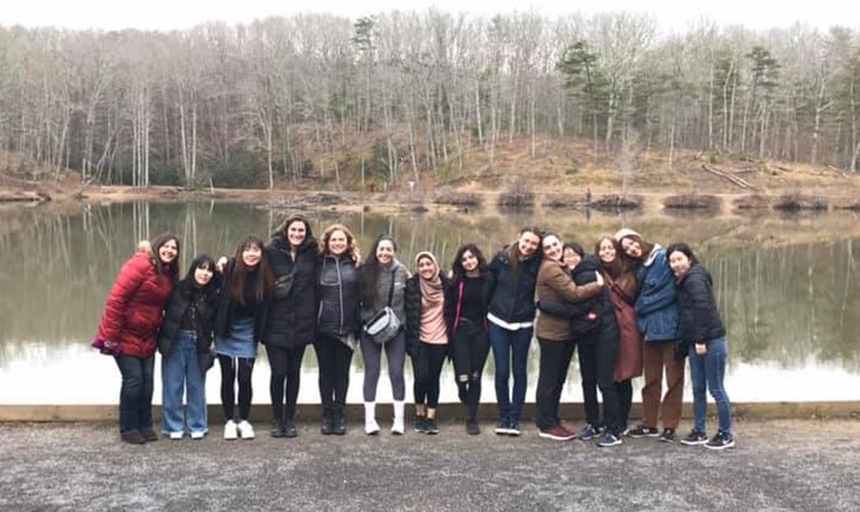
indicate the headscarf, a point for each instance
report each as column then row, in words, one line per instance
column 431, row 289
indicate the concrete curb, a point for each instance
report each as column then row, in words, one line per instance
column 311, row 412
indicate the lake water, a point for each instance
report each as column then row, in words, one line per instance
column 788, row 289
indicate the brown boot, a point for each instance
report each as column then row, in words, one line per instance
column 149, row 435
column 133, row 437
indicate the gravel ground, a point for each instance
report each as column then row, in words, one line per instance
column 777, row 465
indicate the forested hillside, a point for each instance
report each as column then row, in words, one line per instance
column 375, row 102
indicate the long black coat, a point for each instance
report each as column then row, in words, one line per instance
column 291, row 322
column 697, row 308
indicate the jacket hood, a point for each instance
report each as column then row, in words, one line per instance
column 654, row 253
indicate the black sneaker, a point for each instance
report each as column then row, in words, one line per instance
column 503, row 428
column 277, row 429
column 290, row 428
column 588, row 433
column 695, row 438
column 668, row 435
column 514, row 428
column 420, row 425
column 609, row 439
column 721, row 441
column 472, row 427
column 643, row 431
column 432, row 426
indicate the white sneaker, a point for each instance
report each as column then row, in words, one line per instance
column 197, row 435
column 176, row 436
column 371, row 427
column 230, row 430
column 246, row 431
column 399, row 425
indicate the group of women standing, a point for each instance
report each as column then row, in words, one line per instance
column 630, row 305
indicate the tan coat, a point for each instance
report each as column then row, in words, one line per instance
column 555, row 284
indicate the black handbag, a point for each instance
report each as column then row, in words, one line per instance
column 283, row 286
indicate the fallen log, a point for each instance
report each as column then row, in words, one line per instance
column 734, row 179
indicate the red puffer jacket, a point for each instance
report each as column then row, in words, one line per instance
column 135, row 307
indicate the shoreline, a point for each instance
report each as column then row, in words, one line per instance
column 448, row 411
column 605, row 200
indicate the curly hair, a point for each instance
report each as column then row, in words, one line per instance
column 351, row 243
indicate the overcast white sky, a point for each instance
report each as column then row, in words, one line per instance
column 179, row 14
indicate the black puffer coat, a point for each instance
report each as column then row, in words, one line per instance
column 291, row 322
column 203, row 301
column 513, row 298
column 413, row 311
column 697, row 308
column 337, row 293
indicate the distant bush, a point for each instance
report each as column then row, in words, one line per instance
column 458, row 199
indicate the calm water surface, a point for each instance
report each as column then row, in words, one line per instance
column 788, row 290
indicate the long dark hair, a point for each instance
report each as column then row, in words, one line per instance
column 156, row 244
column 265, row 277
column 457, row 271
column 189, row 284
column 621, row 265
column 370, row 272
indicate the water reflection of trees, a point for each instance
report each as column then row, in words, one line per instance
column 788, row 303
column 782, row 303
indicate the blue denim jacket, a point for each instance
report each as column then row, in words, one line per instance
column 657, row 302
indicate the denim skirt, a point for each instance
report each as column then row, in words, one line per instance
column 240, row 342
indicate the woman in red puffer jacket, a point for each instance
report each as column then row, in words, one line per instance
column 129, row 330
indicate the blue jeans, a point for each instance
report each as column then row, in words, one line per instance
column 135, row 394
column 181, row 375
column 510, row 352
column 707, row 373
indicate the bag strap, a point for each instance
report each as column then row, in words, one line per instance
column 391, row 288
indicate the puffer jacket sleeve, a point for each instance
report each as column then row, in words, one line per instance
column 413, row 314
column 702, row 306
column 130, row 277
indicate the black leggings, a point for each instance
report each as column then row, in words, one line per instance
column 334, row 359
column 469, row 350
column 429, row 360
column 228, row 376
column 286, row 366
column 625, row 401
